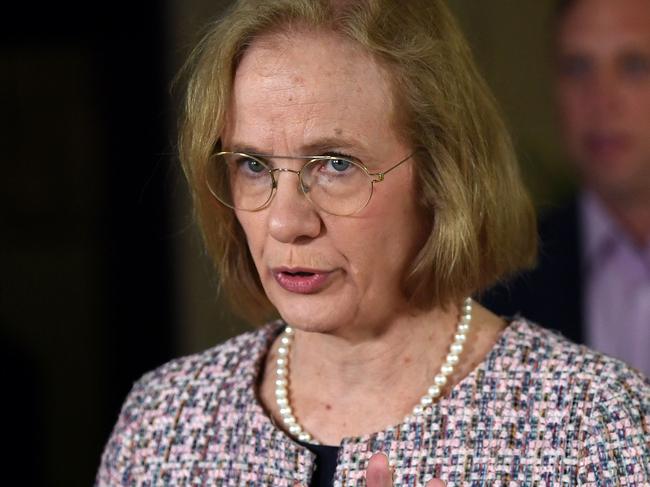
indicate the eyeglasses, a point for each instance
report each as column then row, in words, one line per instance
column 335, row 184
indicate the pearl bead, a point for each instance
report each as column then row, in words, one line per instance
column 417, row 410
column 460, row 337
column 434, row 391
column 282, row 401
column 456, row 348
column 306, row 437
column 285, row 412
column 295, row 429
column 440, row 380
column 280, row 393
column 288, row 330
column 289, row 420
column 426, row 400
column 283, row 350
column 446, row 369
column 285, row 340
column 463, row 328
column 281, row 372
column 281, row 382
column 452, row 358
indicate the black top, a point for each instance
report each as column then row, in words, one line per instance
column 325, row 463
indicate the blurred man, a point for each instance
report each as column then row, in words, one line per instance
column 593, row 281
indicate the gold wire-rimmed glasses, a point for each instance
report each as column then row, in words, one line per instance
column 338, row 185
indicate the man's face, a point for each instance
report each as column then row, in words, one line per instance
column 603, row 90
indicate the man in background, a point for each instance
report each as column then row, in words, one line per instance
column 593, row 279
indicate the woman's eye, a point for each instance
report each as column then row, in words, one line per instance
column 339, row 165
column 251, row 165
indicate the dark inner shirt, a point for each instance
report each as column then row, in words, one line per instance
column 326, row 457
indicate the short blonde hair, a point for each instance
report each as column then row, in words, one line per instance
column 482, row 221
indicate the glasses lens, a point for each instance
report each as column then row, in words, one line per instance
column 239, row 181
column 338, row 186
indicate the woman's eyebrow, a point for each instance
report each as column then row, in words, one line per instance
column 328, row 143
column 245, row 148
column 313, row 148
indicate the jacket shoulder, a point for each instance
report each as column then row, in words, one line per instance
column 227, row 361
column 196, row 385
column 562, row 361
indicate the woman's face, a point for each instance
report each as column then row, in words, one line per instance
column 319, row 94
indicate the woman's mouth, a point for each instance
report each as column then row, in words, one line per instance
column 301, row 281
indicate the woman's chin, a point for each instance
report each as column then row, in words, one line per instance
column 314, row 315
column 322, row 312
column 311, row 322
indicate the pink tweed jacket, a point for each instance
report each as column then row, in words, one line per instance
column 539, row 410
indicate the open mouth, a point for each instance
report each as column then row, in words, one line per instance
column 301, row 281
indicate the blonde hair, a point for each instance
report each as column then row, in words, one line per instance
column 468, row 184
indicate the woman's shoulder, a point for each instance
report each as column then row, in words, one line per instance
column 232, row 360
column 553, row 358
column 601, row 404
column 181, row 394
column 228, row 370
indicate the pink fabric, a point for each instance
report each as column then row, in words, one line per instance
column 616, row 288
column 539, row 410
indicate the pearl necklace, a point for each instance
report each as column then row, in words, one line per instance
column 439, row 381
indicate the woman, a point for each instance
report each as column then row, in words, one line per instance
column 350, row 172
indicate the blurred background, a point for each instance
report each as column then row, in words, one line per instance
column 103, row 274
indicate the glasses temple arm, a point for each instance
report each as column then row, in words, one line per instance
column 380, row 175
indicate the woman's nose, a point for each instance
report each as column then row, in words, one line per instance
column 292, row 217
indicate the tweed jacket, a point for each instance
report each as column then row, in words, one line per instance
column 539, row 410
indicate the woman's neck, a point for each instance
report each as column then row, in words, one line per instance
column 350, row 387
column 373, row 361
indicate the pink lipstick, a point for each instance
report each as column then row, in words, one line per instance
column 299, row 280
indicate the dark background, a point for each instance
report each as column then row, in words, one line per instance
column 102, row 273
column 87, row 174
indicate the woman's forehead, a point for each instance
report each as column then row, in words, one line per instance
column 317, row 84
column 319, row 62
